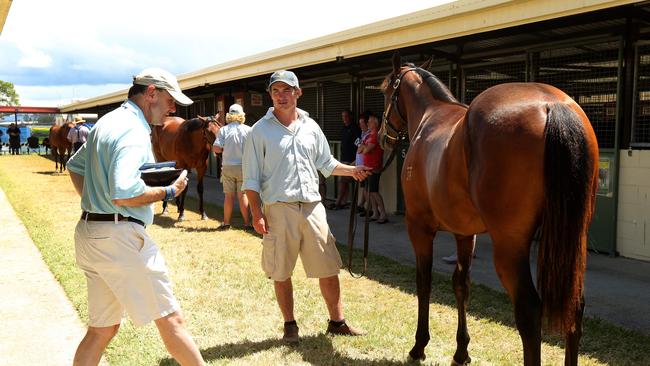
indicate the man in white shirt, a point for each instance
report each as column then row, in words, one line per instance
column 282, row 156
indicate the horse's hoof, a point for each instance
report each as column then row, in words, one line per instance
column 204, row 217
column 416, row 356
column 181, row 218
column 467, row 362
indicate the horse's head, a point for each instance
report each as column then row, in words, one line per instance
column 211, row 126
column 394, row 123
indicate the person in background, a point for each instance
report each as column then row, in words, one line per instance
column 282, row 154
column 349, row 134
column 373, row 156
column 14, row 139
column 79, row 134
column 230, row 141
column 362, row 200
column 125, row 272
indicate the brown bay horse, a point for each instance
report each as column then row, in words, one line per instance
column 188, row 143
column 521, row 159
column 60, row 145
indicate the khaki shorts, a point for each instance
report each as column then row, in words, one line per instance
column 231, row 178
column 124, row 271
column 298, row 229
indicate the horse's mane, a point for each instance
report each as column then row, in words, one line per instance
column 438, row 89
column 194, row 124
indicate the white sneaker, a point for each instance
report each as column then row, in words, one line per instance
column 450, row 259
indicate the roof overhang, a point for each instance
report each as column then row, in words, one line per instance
column 4, row 12
column 452, row 20
column 23, row 109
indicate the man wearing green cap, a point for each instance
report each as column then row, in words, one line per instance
column 282, row 156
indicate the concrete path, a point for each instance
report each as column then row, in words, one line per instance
column 39, row 324
column 617, row 288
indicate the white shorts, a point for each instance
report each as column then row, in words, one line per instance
column 124, row 271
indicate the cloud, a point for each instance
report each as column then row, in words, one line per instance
column 76, row 48
column 34, row 58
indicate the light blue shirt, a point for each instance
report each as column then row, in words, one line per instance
column 231, row 138
column 110, row 160
column 281, row 163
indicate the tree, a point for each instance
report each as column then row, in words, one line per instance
column 8, row 95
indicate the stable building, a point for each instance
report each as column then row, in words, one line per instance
column 597, row 51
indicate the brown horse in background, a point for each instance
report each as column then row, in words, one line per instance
column 188, row 143
column 60, row 145
column 521, row 158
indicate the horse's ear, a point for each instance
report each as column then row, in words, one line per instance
column 397, row 62
column 427, row 63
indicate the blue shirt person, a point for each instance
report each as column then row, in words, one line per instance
column 124, row 270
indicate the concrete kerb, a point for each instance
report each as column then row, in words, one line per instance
column 40, row 325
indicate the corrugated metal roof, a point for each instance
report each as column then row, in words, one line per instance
column 457, row 19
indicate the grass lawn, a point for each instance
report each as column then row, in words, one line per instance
column 231, row 311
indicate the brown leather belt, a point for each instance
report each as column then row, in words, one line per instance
column 89, row 216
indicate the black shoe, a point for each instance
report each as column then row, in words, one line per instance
column 291, row 333
column 223, row 227
column 343, row 329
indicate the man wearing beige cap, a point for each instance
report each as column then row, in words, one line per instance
column 79, row 134
column 282, row 156
column 124, row 270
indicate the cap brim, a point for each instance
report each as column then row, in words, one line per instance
column 180, row 98
column 282, row 81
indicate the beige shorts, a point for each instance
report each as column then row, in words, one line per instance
column 298, row 229
column 124, row 271
column 231, row 178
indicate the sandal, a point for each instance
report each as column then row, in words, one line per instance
column 383, row 221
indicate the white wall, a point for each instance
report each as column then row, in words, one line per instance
column 633, row 224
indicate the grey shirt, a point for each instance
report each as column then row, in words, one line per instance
column 282, row 164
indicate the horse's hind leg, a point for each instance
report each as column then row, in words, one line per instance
column 572, row 341
column 461, row 284
column 422, row 241
column 512, row 264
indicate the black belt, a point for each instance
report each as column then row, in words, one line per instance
column 89, row 216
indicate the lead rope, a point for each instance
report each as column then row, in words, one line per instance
column 352, row 223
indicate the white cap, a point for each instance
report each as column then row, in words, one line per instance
column 163, row 80
column 236, row 109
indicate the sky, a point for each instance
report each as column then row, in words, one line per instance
column 58, row 52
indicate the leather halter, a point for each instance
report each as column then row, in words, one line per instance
column 207, row 133
column 392, row 133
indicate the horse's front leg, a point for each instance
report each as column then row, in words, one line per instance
column 199, row 189
column 422, row 241
column 180, row 202
column 461, row 284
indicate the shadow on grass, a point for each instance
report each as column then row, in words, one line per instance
column 52, row 172
column 601, row 340
column 315, row 350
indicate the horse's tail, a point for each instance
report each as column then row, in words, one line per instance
column 568, row 174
